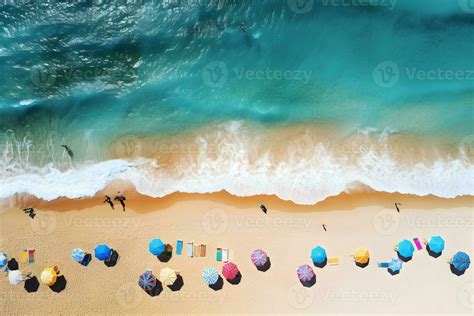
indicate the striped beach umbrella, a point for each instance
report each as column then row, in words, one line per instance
column 259, row 257
column 361, row 255
column 394, row 266
column 210, row 276
column 147, row 281
column 405, row 248
column 156, row 247
column 230, row 271
column 168, row 276
column 461, row 261
column 15, row 277
column 77, row 254
column 3, row 259
column 102, row 252
column 49, row 276
column 305, row 273
column 318, row 255
column 436, row 244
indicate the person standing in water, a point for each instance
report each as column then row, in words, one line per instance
column 68, row 151
column 121, row 199
column 109, row 200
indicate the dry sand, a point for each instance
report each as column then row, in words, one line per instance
column 288, row 233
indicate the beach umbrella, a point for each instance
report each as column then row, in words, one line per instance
column 394, row 266
column 15, row 277
column 210, row 276
column 147, row 281
column 77, row 254
column 461, row 261
column 156, row 247
column 168, row 276
column 49, row 276
column 102, row 252
column 436, row 244
column 32, row 285
column 305, row 273
column 318, row 255
column 259, row 257
column 405, row 249
column 230, row 271
column 3, row 259
column 361, row 255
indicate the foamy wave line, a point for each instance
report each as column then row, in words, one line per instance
column 299, row 182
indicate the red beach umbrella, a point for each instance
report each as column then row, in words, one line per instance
column 230, row 271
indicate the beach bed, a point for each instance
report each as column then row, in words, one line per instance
column 190, row 249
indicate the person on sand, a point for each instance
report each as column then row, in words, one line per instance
column 263, row 208
column 109, row 200
column 30, row 211
column 396, row 206
column 121, row 199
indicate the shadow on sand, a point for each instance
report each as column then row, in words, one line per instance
column 112, row 260
column 236, row 280
column 156, row 290
column 218, row 285
column 433, row 254
column 322, row 264
column 404, row 259
column 309, row 283
column 60, row 284
column 177, row 285
column 167, row 254
column 362, row 265
column 266, row 266
column 456, row 271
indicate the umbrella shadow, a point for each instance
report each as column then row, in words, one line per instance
column 86, row 260
column 393, row 272
column 59, row 285
column 236, row 280
column 32, row 284
column 322, row 264
column 156, row 290
column 431, row 253
column 309, row 283
column 404, row 259
column 166, row 255
column 362, row 265
column 112, row 260
column 266, row 266
column 177, row 285
column 218, row 285
column 456, row 271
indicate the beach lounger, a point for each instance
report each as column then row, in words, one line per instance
column 202, row 250
column 417, row 243
column 333, row 261
column 197, row 250
column 225, row 254
column 179, row 247
column 219, row 254
column 31, row 256
column 190, row 249
column 383, row 265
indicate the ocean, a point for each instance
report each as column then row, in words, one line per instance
column 301, row 99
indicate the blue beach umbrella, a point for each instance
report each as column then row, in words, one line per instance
column 77, row 254
column 210, row 276
column 436, row 244
column 147, row 281
column 102, row 252
column 461, row 261
column 3, row 259
column 156, row 247
column 405, row 249
column 394, row 266
column 318, row 255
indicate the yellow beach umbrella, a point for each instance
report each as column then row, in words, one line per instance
column 49, row 276
column 168, row 276
column 361, row 255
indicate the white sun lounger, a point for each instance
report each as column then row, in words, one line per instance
column 190, row 249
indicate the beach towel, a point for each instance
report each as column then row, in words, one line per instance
column 31, row 256
column 24, row 256
column 179, row 247
column 225, row 254
column 197, row 251
column 219, row 254
column 190, row 249
column 333, row 261
column 203, row 250
column 383, row 265
column 417, row 243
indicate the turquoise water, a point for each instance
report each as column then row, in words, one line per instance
column 89, row 74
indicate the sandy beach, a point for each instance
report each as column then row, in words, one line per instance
column 287, row 233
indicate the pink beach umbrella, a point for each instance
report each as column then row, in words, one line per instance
column 259, row 257
column 305, row 273
column 230, row 271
